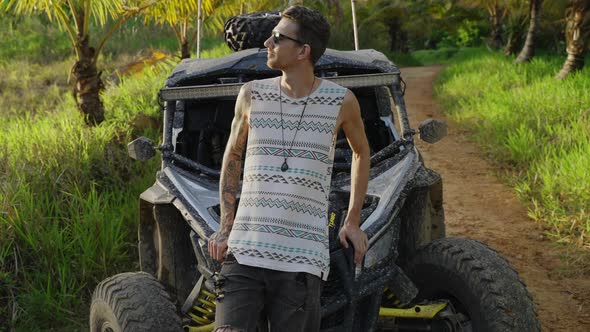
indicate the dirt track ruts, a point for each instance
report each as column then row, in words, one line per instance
column 479, row 205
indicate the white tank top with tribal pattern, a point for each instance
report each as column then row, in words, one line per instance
column 281, row 221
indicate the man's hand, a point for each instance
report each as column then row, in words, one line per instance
column 218, row 245
column 358, row 238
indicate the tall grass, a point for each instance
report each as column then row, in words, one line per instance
column 33, row 39
column 69, row 204
column 534, row 124
column 30, row 88
column 438, row 56
column 36, row 39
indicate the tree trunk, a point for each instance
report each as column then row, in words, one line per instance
column 512, row 43
column 394, row 28
column 337, row 12
column 199, row 27
column 577, row 31
column 404, row 47
column 398, row 38
column 528, row 50
column 515, row 27
column 185, row 52
column 88, row 83
column 496, row 33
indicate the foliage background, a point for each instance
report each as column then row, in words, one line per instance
column 533, row 126
column 68, row 193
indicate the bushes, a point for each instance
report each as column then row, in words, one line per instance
column 69, row 204
column 439, row 56
column 32, row 88
column 538, row 126
column 69, row 193
column 21, row 39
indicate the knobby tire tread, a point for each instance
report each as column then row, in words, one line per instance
column 139, row 302
column 249, row 30
column 506, row 305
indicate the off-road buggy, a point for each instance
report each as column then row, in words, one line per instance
column 413, row 278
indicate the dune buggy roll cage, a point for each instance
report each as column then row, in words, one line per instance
column 171, row 95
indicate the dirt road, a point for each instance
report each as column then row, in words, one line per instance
column 479, row 206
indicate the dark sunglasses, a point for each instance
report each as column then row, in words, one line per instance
column 277, row 36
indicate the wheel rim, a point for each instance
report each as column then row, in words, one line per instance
column 106, row 327
column 455, row 316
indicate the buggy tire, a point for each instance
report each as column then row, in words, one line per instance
column 478, row 281
column 132, row 302
column 250, row 30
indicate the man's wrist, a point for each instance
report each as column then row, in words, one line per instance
column 220, row 236
column 355, row 209
column 353, row 221
column 225, row 229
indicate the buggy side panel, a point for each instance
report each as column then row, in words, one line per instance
column 165, row 250
column 422, row 215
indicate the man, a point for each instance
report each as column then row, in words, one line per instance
column 278, row 238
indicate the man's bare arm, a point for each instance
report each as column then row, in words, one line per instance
column 231, row 169
column 353, row 127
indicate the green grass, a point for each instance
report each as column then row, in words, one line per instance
column 31, row 88
column 69, row 203
column 20, row 38
column 404, row 59
column 535, row 125
column 69, row 193
column 432, row 57
column 35, row 39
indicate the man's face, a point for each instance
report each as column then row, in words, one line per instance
column 283, row 49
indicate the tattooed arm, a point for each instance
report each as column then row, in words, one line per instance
column 231, row 169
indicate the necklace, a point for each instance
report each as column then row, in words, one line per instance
column 285, row 166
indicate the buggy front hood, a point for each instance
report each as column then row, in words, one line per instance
column 253, row 62
column 196, row 197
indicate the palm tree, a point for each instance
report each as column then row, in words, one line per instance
column 497, row 10
column 335, row 11
column 577, row 32
column 393, row 14
column 496, row 15
column 515, row 26
column 74, row 16
column 182, row 16
column 528, row 50
column 253, row 6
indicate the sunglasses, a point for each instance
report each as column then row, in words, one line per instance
column 277, row 36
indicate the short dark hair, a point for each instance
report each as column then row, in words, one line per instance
column 313, row 29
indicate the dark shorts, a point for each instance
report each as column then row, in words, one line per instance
column 286, row 301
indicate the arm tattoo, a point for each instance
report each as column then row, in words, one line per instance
column 232, row 165
column 229, row 189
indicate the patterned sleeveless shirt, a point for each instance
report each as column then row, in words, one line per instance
column 281, row 221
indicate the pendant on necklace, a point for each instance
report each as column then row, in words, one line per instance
column 284, row 167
